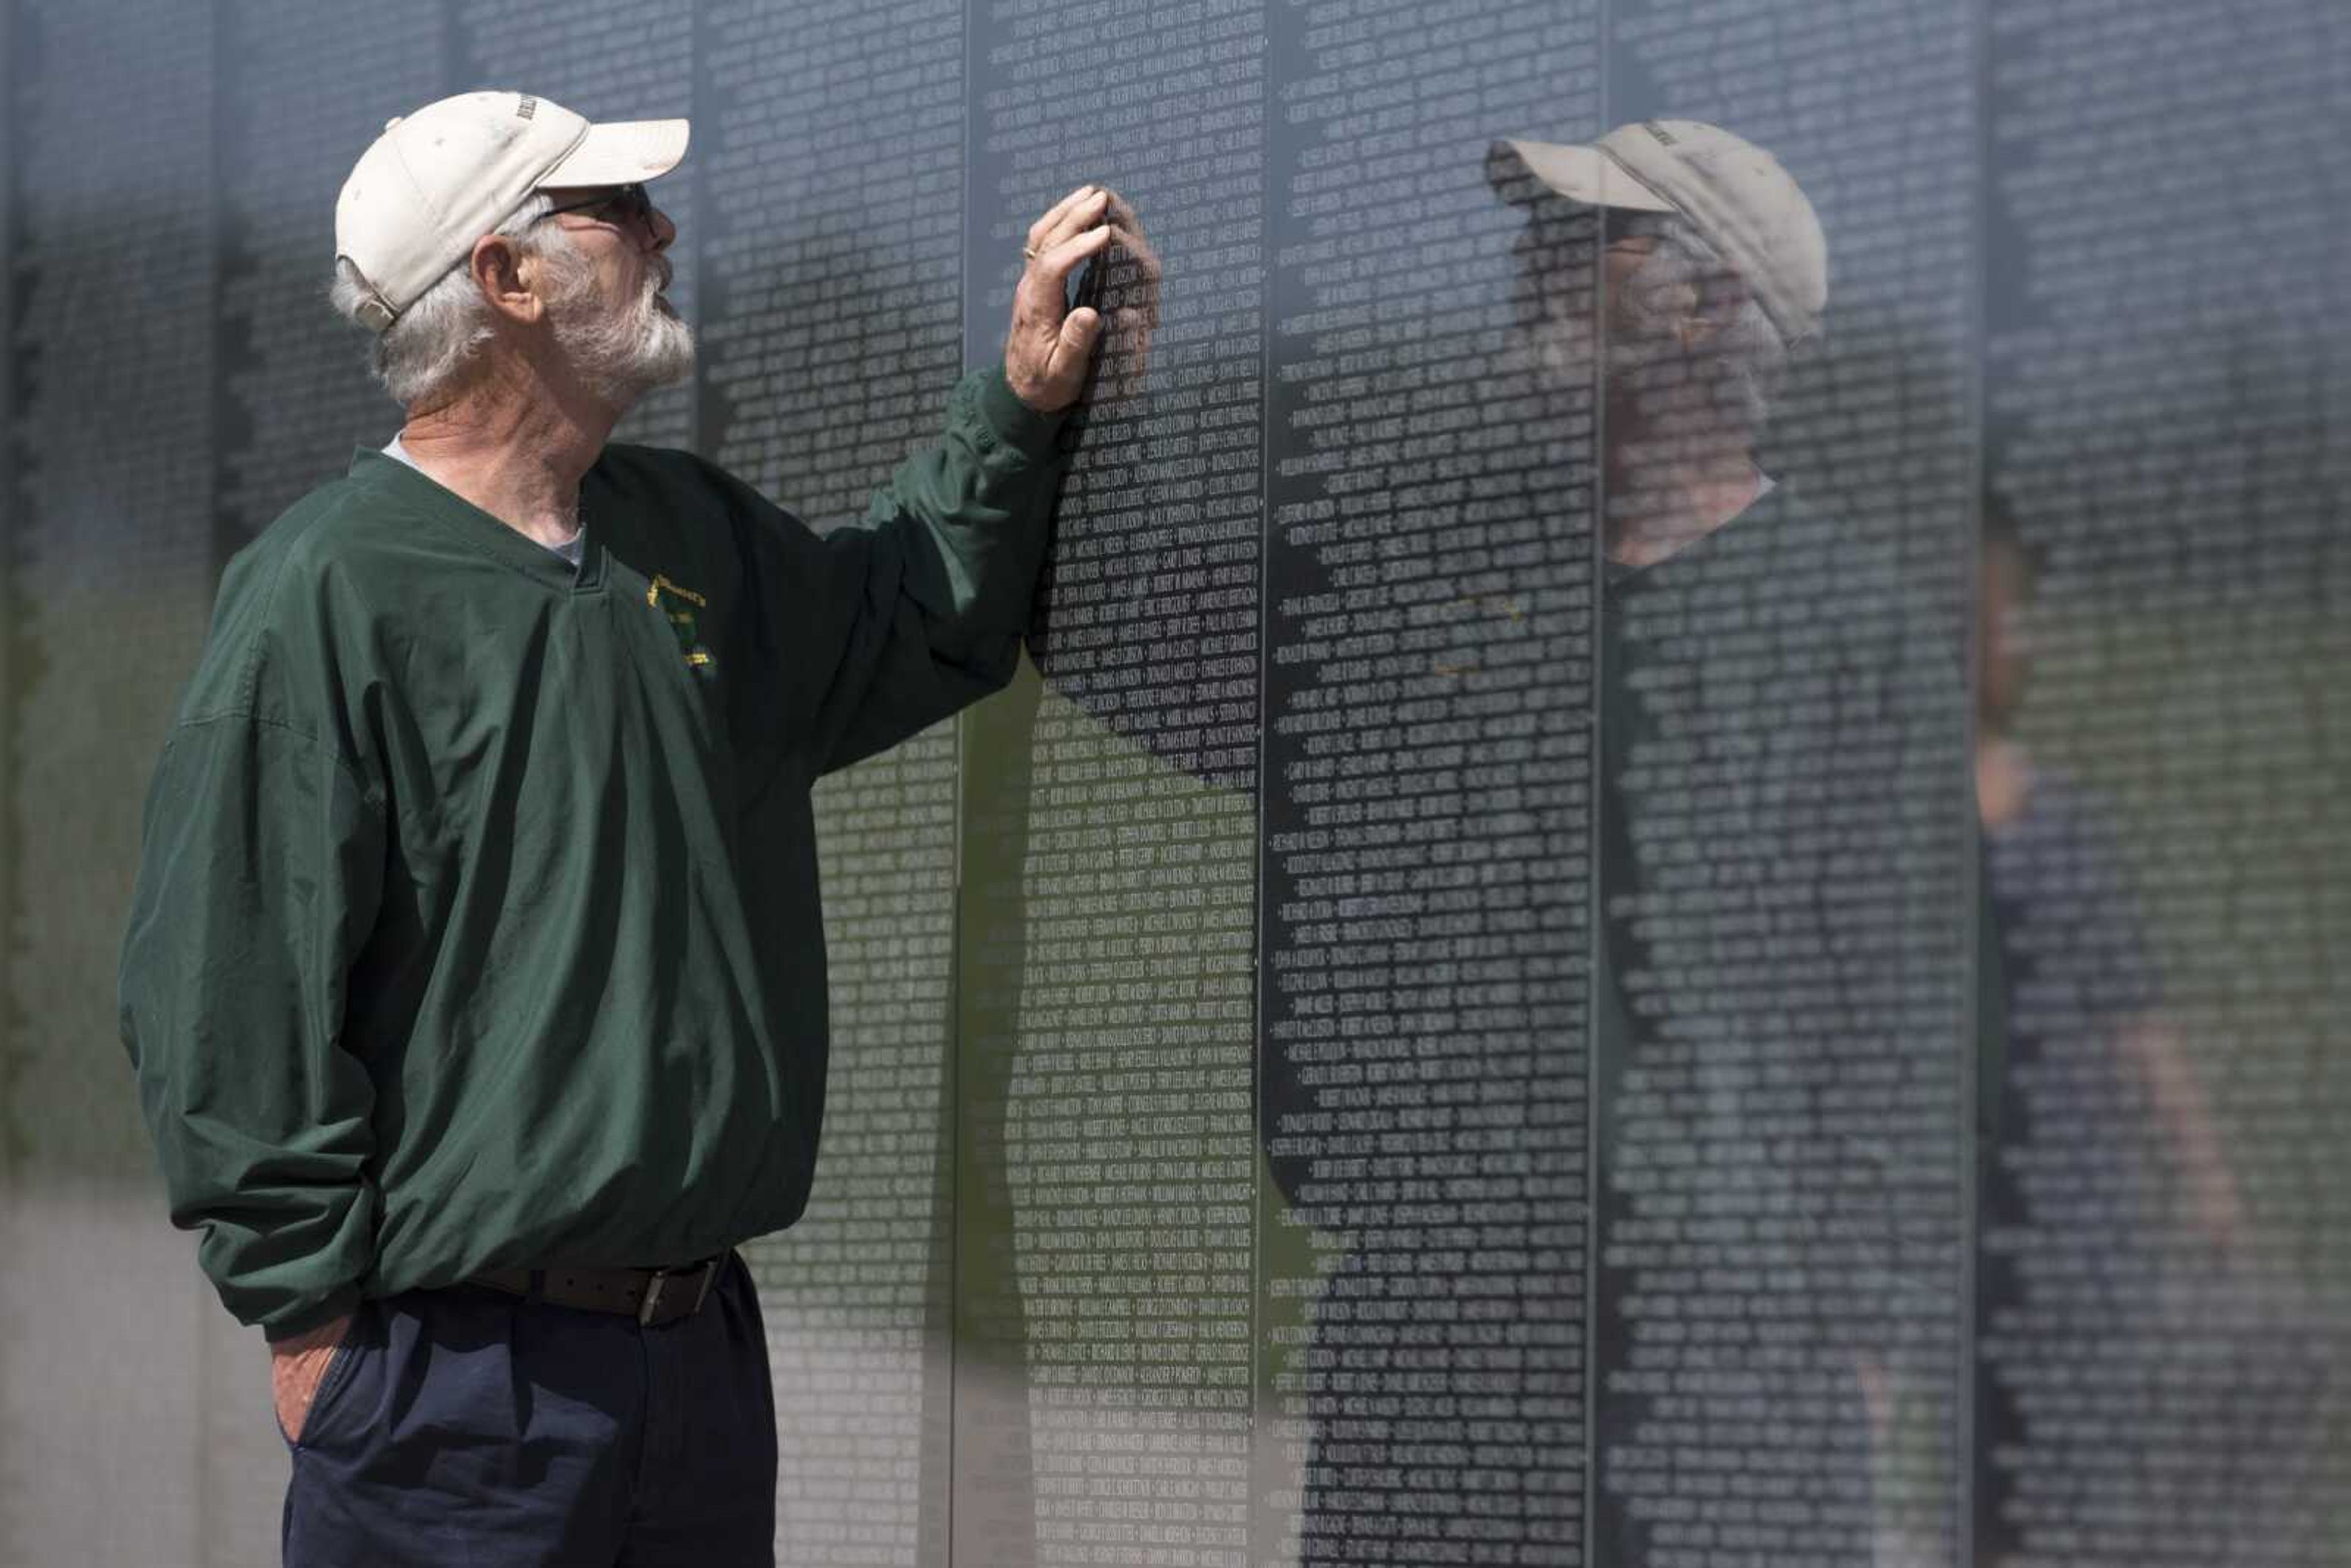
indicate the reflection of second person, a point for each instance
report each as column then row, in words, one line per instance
column 2120, row 1231
column 2056, row 894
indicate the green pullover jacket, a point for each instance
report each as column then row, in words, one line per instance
column 477, row 924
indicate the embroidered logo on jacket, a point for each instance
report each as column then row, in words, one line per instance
column 680, row 605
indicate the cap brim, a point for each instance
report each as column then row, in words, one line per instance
column 1583, row 174
column 626, row 153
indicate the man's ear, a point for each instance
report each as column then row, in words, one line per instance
column 503, row 273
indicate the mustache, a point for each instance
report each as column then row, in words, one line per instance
column 658, row 280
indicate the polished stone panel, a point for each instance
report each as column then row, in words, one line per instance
column 1496, row 990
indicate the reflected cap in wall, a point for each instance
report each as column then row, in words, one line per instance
column 439, row 179
column 1735, row 194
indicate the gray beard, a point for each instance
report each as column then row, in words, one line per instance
column 619, row 355
column 623, row 355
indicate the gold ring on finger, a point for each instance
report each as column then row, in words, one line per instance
column 1029, row 251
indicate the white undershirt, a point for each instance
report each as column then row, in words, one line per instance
column 569, row 549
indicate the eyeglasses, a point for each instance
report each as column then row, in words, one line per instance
column 1617, row 225
column 622, row 207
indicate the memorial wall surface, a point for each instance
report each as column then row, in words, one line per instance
column 2160, row 1309
column 1497, row 989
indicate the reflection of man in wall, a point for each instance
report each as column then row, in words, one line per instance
column 476, row 981
column 1714, row 267
column 1714, row 270
column 1752, row 721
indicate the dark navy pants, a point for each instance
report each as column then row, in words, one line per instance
column 463, row 1427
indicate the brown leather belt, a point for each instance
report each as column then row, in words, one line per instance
column 652, row 1296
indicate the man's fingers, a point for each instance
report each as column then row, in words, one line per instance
column 1066, row 216
column 1048, row 278
column 1073, row 347
column 1077, row 219
column 1054, row 213
column 1079, row 331
column 1050, row 348
column 1037, row 230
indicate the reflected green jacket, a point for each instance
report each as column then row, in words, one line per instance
column 477, row 924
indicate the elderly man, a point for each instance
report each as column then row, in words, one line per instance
column 476, row 982
column 1459, row 1439
column 1714, row 271
column 1781, row 788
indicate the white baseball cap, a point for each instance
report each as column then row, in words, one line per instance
column 1735, row 194
column 441, row 178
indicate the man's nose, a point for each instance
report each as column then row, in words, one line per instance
column 664, row 231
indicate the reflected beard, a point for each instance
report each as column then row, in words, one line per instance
column 1565, row 340
column 620, row 354
column 1663, row 405
column 1568, row 344
column 1562, row 352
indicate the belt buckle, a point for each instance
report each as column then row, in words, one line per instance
column 707, row 1268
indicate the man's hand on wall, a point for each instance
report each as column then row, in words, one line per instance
column 296, row 1365
column 1050, row 346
